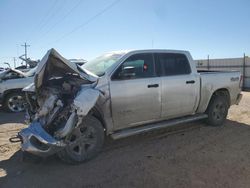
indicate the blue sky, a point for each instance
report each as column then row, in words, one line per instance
column 87, row 28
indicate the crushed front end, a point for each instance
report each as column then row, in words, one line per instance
column 55, row 104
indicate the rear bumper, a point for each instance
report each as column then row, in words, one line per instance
column 239, row 97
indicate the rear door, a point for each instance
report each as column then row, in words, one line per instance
column 179, row 86
column 135, row 92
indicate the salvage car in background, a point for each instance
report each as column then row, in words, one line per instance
column 2, row 69
column 12, row 81
column 120, row 94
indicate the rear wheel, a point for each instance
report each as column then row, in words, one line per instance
column 84, row 143
column 14, row 102
column 217, row 110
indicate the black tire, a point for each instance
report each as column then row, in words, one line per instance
column 217, row 110
column 9, row 105
column 84, row 143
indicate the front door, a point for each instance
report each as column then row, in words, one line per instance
column 135, row 92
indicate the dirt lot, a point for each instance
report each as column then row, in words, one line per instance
column 191, row 155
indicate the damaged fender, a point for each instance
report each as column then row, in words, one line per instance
column 85, row 101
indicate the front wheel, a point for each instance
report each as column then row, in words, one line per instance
column 84, row 143
column 14, row 102
column 217, row 110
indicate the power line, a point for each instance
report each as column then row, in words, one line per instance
column 44, row 18
column 5, row 57
column 87, row 22
column 53, row 14
column 65, row 16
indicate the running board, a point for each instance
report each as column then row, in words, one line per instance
column 154, row 126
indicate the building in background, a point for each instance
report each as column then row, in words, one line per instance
column 228, row 64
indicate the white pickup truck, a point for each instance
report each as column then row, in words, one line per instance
column 120, row 94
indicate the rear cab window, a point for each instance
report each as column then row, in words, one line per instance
column 171, row 64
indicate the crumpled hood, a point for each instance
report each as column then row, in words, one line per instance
column 54, row 65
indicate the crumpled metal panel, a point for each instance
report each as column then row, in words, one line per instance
column 69, row 126
column 86, row 100
column 36, row 130
column 47, row 105
column 29, row 88
column 53, row 58
column 2, row 74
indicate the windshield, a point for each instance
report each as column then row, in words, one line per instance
column 99, row 65
column 31, row 72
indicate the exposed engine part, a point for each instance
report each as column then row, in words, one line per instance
column 69, row 126
column 55, row 111
column 46, row 105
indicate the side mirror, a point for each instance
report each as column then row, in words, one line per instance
column 127, row 72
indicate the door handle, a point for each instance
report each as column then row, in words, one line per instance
column 190, row 82
column 153, row 85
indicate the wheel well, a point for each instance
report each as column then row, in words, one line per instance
column 221, row 92
column 7, row 92
column 97, row 114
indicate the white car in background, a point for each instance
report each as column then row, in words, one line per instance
column 12, row 82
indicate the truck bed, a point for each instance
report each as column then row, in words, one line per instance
column 213, row 71
column 211, row 81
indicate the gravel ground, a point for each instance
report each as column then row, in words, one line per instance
column 190, row 155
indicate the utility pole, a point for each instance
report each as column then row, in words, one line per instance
column 25, row 51
column 14, row 59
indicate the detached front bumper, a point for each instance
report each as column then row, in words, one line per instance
column 37, row 141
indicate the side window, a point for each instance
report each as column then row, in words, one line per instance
column 136, row 66
column 173, row 64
